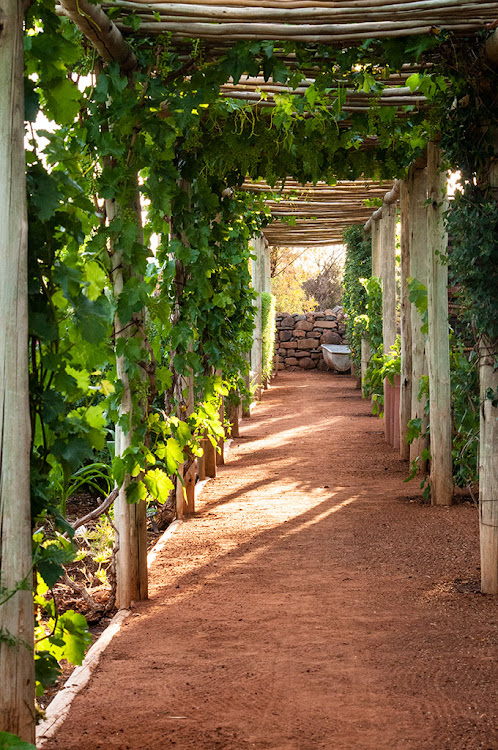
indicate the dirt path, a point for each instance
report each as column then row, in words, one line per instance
column 311, row 603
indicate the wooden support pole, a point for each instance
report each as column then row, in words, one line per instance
column 209, row 458
column 220, row 454
column 438, row 343
column 376, row 247
column 418, row 270
column 130, row 518
column 488, row 466
column 488, row 453
column 17, row 683
column 388, row 274
column 405, row 406
column 257, row 273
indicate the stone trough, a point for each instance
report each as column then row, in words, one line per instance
column 336, row 356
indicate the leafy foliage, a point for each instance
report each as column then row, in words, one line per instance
column 268, row 310
column 358, row 265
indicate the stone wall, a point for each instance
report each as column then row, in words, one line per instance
column 299, row 338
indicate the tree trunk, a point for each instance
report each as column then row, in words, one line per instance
column 438, row 342
column 16, row 615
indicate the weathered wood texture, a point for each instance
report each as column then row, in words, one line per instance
column 488, row 453
column 405, row 404
column 388, row 274
column 16, row 614
column 438, row 342
column 418, row 270
column 488, row 468
column 101, row 32
column 130, row 519
column 376, row 248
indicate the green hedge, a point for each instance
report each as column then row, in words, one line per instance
column 268, row 311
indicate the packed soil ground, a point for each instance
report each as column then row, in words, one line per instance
column 312, row 602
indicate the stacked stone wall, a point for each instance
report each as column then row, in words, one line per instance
column 299, row 338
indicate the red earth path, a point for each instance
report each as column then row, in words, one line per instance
column 312, row 602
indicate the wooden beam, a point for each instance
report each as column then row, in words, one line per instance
column 17, row 683
column 98, row 28
column 438, row 342
column 405, row 406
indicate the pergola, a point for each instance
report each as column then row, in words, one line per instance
column 318, row 213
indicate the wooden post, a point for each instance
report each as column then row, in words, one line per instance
column 209, row 458
column 376, row 247
column 220, row 456
column 438, row 344
column 17, row 684
column 488, row 467
column 418, row 270
column 189, row 481
column 388, row 274
column 365, row 357
column 130, row 518
column 488, row 454
column 258, row 281
column 405, row 406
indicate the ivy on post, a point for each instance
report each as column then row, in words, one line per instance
column 438, row 345
column 418, row 270
column 130, row 513
column 406, row 323
column 17, row 683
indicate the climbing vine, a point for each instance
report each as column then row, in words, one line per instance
column 139, row 242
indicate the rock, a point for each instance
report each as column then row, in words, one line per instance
column 285, row 335
column 341, row 328
column 282, row 352
column 280, row 366
column 307, row 343
column 322, row 366
column 300, row 317
column 316, row 355
column 330, row 317
column 287, row 322
column 304, row 325
column 290, row 352
column 330, row 337
column 291, row 362
column 299, row 355
column 288, row 345
column 337, row 309
column 328, row 324
column 299, row 334
column 312, row 334
column 319, row 315
column 306, row 363
column 328, row 311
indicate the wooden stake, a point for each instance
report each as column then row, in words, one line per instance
column 376, row 247
column 17, row 685
column 405, row 406
column 438, row 344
